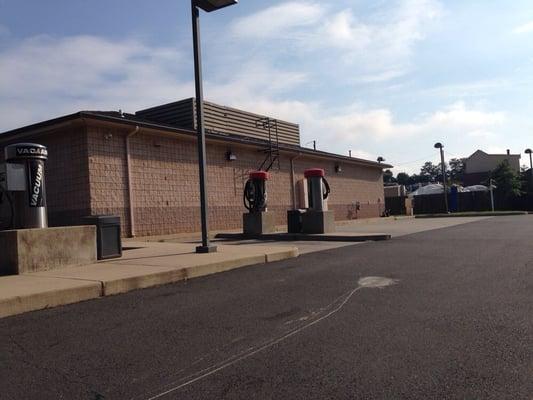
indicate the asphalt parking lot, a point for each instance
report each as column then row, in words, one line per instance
column 450, row 318
column 394, row 227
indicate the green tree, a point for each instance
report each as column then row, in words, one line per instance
column 506, row 180
column 388, row 176
column 526, row 179
column 402, row 178
column 429, row 172
column 414, row 179
column 438, row 178
column 457, row 169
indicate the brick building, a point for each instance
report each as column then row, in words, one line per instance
column 143, row 167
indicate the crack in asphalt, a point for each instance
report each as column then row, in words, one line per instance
column 335, row 307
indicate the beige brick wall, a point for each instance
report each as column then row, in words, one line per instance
column 87, row 174
column 107, row 173
column 165, row 183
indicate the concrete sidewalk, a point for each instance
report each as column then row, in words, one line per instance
column 393, row 226
column 143, row 265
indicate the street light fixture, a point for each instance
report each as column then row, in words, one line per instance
column 439, row 146
column 380, row 159
column 213, row 5
column 208, row 6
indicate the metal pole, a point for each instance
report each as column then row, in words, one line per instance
column 205, row 247
column 491, row 195
column 530, row 172
column 444, row 179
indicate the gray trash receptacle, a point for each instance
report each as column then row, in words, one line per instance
column 108, row 235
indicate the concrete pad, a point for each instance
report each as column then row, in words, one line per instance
column 222, row 266
column 405, row 226
column 135, row 250
column 162, row 263
column 23, row 293
column 318, row 222
column 31, row 250
column 304, row 247
column 181, row 255
column 259, row 222
column 116, row 279
column 279, row 255
column 473, row 214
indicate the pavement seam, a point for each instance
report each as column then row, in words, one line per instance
column 206, row 372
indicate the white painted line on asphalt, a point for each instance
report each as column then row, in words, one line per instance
column 366, row 282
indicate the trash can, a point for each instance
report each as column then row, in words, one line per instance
column 108, row 239
column 294, row 220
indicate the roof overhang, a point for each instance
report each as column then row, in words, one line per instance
column 153, row 128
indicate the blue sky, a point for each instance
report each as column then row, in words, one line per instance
column 385, row 78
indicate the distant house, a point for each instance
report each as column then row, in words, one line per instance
column 479, row 165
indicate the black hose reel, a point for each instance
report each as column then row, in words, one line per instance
column 255, row 194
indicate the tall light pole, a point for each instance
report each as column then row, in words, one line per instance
column 491, row 188
column 208, row 6
column 441, row 147
column 528, row 151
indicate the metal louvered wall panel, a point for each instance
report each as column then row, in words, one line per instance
column 179, row 113
column 219, row 119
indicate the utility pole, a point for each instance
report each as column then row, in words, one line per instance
column 529, row 151
column 491, row 187
column 443, row 167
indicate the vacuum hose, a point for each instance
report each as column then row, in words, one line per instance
column 327, row 189
column 254, row 195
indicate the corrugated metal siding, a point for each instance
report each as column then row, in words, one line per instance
column 230, row 120
column 220, row 119
column 179, row 113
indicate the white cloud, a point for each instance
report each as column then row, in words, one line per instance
column 278, row 20
column 344, row 31
column 456, row 118
column 380, row 46
column 525, row 28
column 495, row 150
column 379, row 77
column 356, row 126
column 44, row 77
column 86, row 72
column 385, row 40
column 254, row 80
